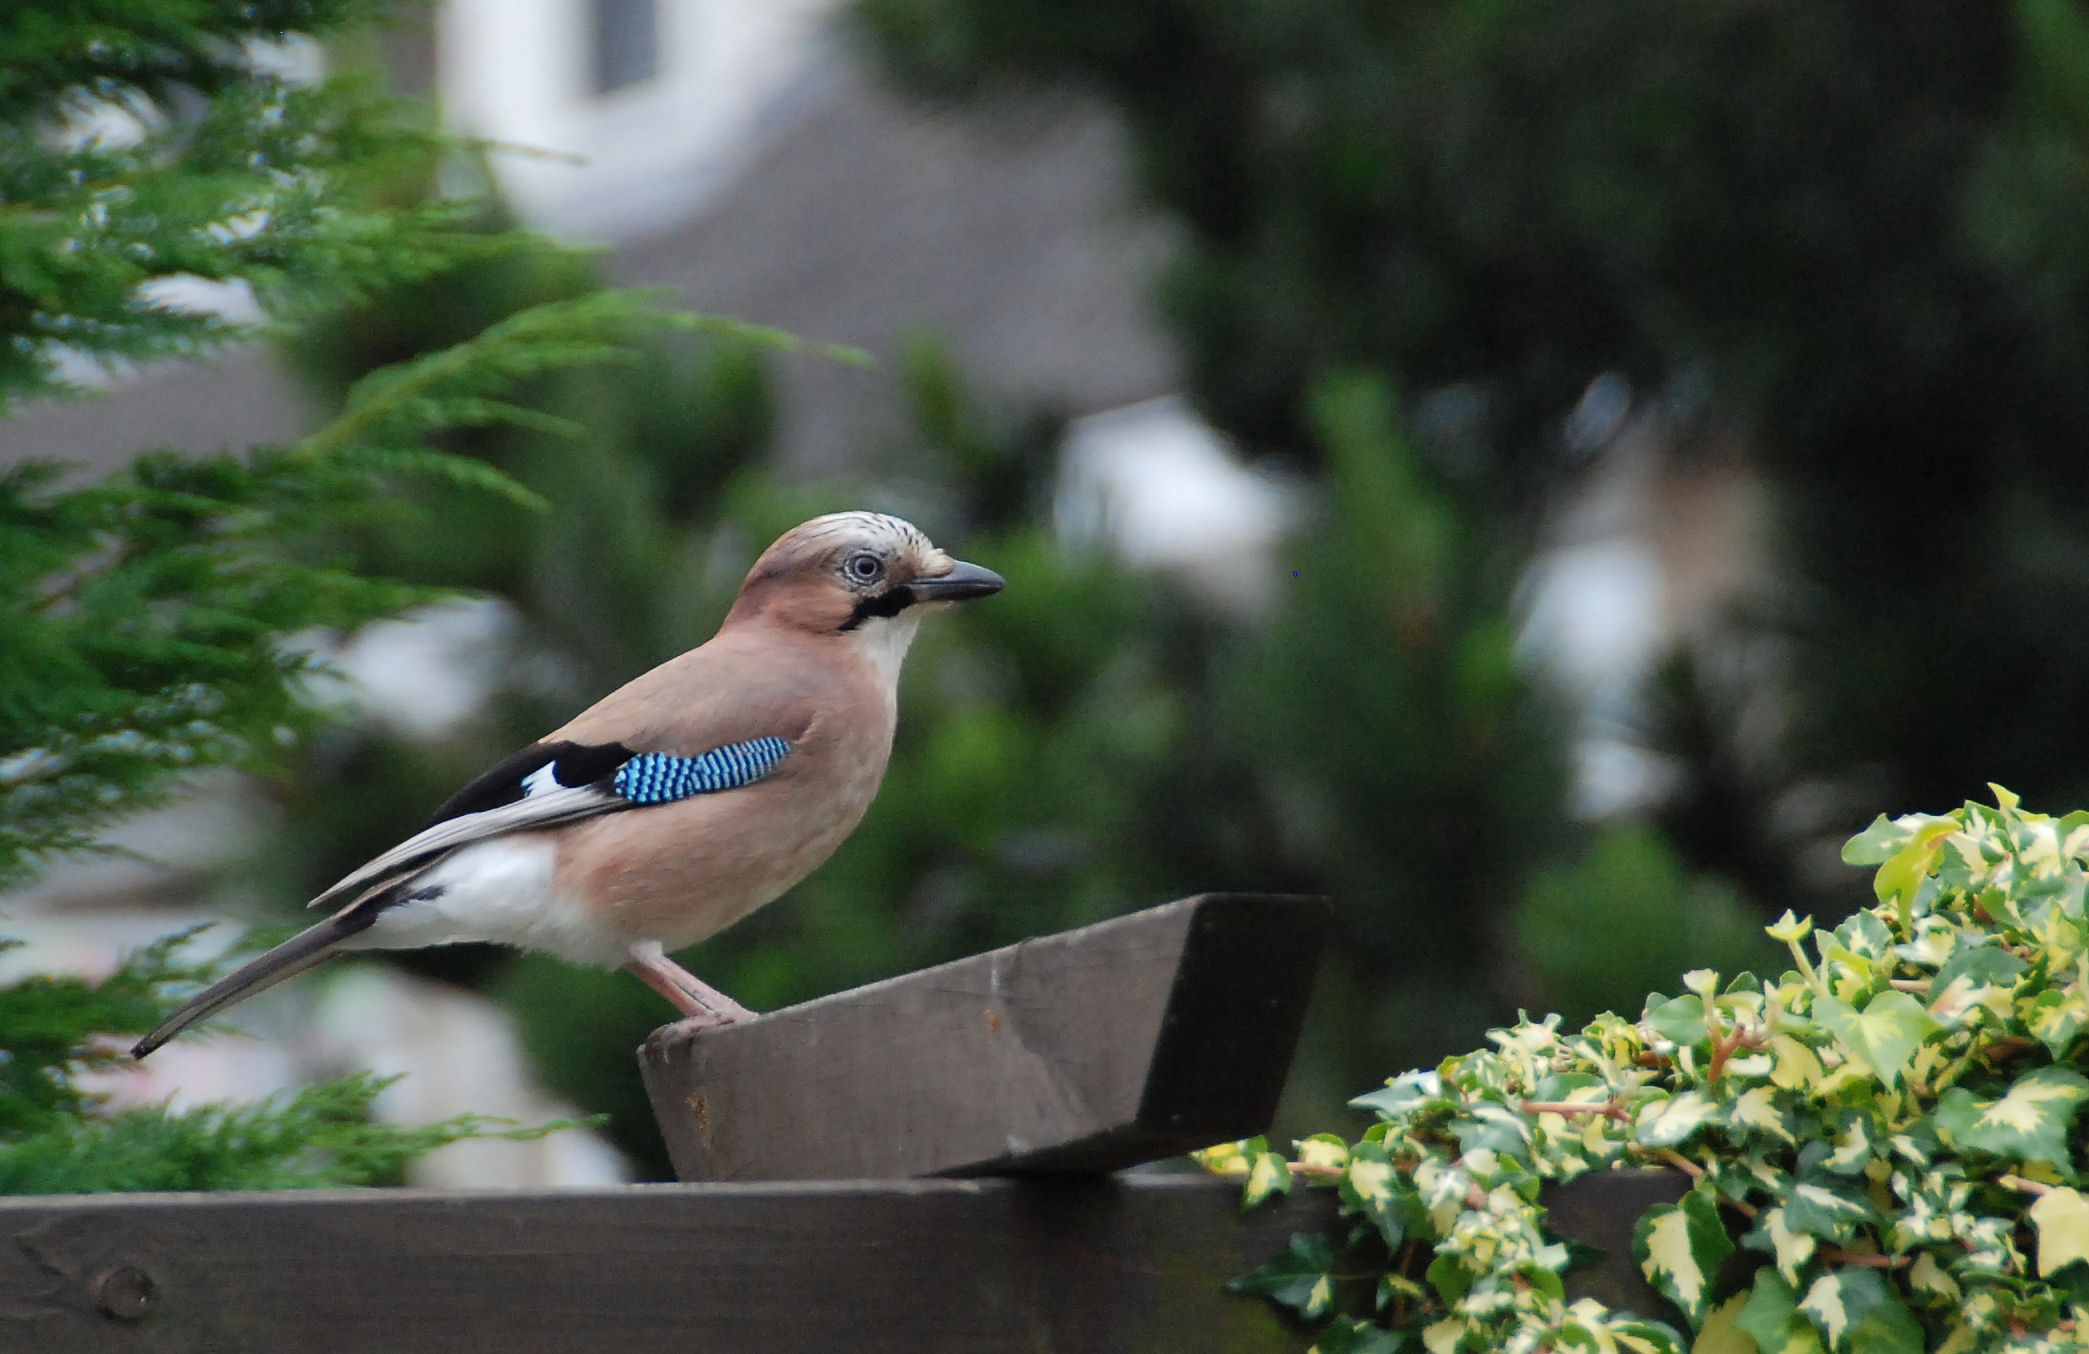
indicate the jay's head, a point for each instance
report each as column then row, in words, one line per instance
column 858, row 574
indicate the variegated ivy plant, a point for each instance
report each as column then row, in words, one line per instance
column 1882, row 1143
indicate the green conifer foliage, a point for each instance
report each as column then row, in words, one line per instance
column 147, row 148
column 59, row 1137
column 140, row 145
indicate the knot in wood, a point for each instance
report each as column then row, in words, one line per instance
column 125, row 1293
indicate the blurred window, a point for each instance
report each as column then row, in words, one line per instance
column 626, row 35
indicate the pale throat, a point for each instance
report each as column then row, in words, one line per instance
column 883, row 642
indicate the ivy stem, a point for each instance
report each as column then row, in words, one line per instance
column 1723, row 1047
column 1697, row 1172
column 1836, row 1255
column 2017, row 1182
column 1610, row 1109
column 1681, row 1163
column 1806, row 969
column 1406, row 1263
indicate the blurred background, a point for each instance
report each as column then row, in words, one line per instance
column 1541, row 477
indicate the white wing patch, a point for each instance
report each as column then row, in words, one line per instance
column 541, row 781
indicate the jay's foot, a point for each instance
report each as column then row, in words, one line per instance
column 703, row 1005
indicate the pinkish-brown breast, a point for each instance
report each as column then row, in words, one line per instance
column 677, row 873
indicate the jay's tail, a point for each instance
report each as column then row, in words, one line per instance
column 308, row 948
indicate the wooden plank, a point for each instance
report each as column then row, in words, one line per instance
column 1599, row 1210
column 1043, row 1265
column 1063, row 1265
column 1089, row 1050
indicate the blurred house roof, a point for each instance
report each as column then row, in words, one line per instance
column 854, row 217
column 1003, row 230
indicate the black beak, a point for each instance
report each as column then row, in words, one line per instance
column 963, row 582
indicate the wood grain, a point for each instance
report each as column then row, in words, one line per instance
column 1055, row 1060
column 1089, row 1050
column 1041, row 1265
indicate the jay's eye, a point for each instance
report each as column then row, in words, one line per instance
column 865, row 568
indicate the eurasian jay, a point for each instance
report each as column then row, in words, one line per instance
column 678, row 803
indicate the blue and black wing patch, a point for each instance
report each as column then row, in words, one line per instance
column 636, row 778
column 661, row 778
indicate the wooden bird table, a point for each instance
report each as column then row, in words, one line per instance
column 924, row 1164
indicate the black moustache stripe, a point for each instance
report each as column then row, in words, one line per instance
column 888, row 603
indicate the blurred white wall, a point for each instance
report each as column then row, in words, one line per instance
column 1659, row 535
column 1165, row 491
column 621, row 162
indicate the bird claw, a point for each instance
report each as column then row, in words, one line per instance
column 700, row 1021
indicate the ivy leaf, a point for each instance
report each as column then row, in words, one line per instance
column 1680, row 1248
column 1449, row 1277
column 1394, row 1288
column 1788, row 1247
column 1885, row 1037
column 1562, row 1085
column 1771, row 1318
column 1876, row 844
column 1978, row 975
column 1855, row 1147
column 1722, row 1333
column 1637, row 1336
column 1982, row 965
column 1794, row 1066
column 2029, row 1123
column 1492, row 1128
column 1590, row 1329
column 1226, row 1158
column 1299, row 1278
column 1268, row 1173
column 1323, row 1153
column 1373, row 1188
column 1901, row 873
column 1929, row 1279
column 1680, row 1020
column 1404, row 1094
column 1790, row 930
column 1756, row 1111
column 1668, row 1122
column 1861, row 1314
column 1864, row 934
column 1824, row 1210
column 2062, row 1220
column 2056, row 1017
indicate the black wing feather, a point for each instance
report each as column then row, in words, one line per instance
column 576, row 764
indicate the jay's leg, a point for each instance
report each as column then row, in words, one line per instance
column 704, row 1004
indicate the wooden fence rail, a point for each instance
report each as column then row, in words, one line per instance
column 1069, row 1264
column 982, row 1266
